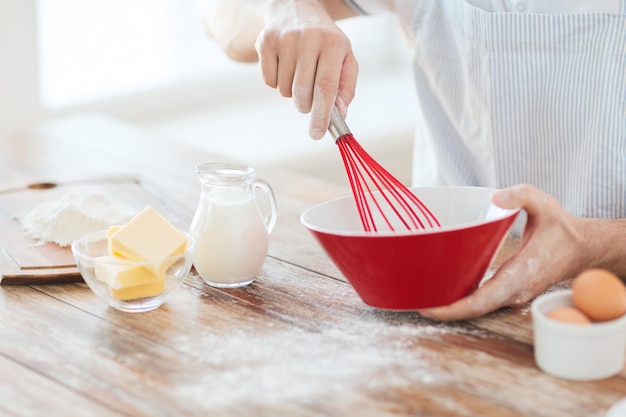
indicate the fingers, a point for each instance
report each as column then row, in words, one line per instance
column 330, row 92
column 546, row 255
column 460, row 310
column 531, row 199
column 488, row 298
column 268, row 59
column 515, row 283
column 330, row 88
column 303, row 83
column 314, row 64
column 347, row 83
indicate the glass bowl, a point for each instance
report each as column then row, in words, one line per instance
column 126, row 285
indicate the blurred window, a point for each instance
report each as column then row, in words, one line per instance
column 98, row 49
column 137, row 59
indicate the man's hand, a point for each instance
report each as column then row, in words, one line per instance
column 306, row 56
column 555, row 246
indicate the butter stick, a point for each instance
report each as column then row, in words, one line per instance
column 147, row 236
column 139, row 291
column 118, row 275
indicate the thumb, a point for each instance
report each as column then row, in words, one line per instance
column 531, row 199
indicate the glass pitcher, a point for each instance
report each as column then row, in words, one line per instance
column 231, row 230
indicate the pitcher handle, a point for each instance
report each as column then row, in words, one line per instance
column 269, row 214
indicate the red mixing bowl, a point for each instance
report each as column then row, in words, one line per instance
column 408, row 270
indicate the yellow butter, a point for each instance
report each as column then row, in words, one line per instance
column 113, row 229
column 110, row 232
column 139, row 291
column 118, row 275
column 147, row 236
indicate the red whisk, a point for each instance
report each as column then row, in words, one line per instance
column 379, row 196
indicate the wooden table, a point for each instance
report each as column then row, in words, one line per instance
column 297, row 342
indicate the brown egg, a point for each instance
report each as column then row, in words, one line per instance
column 569, row 315
column 599, row 294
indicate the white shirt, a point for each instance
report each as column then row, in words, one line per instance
column 508, row 96
column 526, row 6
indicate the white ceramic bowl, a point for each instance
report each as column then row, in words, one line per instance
column 574, row 351
column 89, row 252
column 618, row 409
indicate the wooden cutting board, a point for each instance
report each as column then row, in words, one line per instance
column 24, row 260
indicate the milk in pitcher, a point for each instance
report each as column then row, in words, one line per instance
column 231, row 232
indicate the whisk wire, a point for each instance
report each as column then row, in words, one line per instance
column 358, row 164
column 390, row 185
column 361, row 188
column 387, row 186
column 363, row 170
column 365, row 213
column 395, row 187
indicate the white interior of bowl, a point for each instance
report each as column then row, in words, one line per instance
column 454, row 207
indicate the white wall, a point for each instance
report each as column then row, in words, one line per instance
column 255, row 125
column 224, row 107
column 19, row 82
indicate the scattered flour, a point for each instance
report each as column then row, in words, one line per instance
column 73, row 216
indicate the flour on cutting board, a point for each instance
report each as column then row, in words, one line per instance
column 73, row 216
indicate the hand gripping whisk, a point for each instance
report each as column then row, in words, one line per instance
column 380, row 197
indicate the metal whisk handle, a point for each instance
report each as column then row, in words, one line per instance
column 338, row 126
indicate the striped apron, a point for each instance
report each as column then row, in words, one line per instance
column 510, row 98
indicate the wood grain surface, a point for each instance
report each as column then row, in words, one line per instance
column 297, row 342
column 24, row 259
